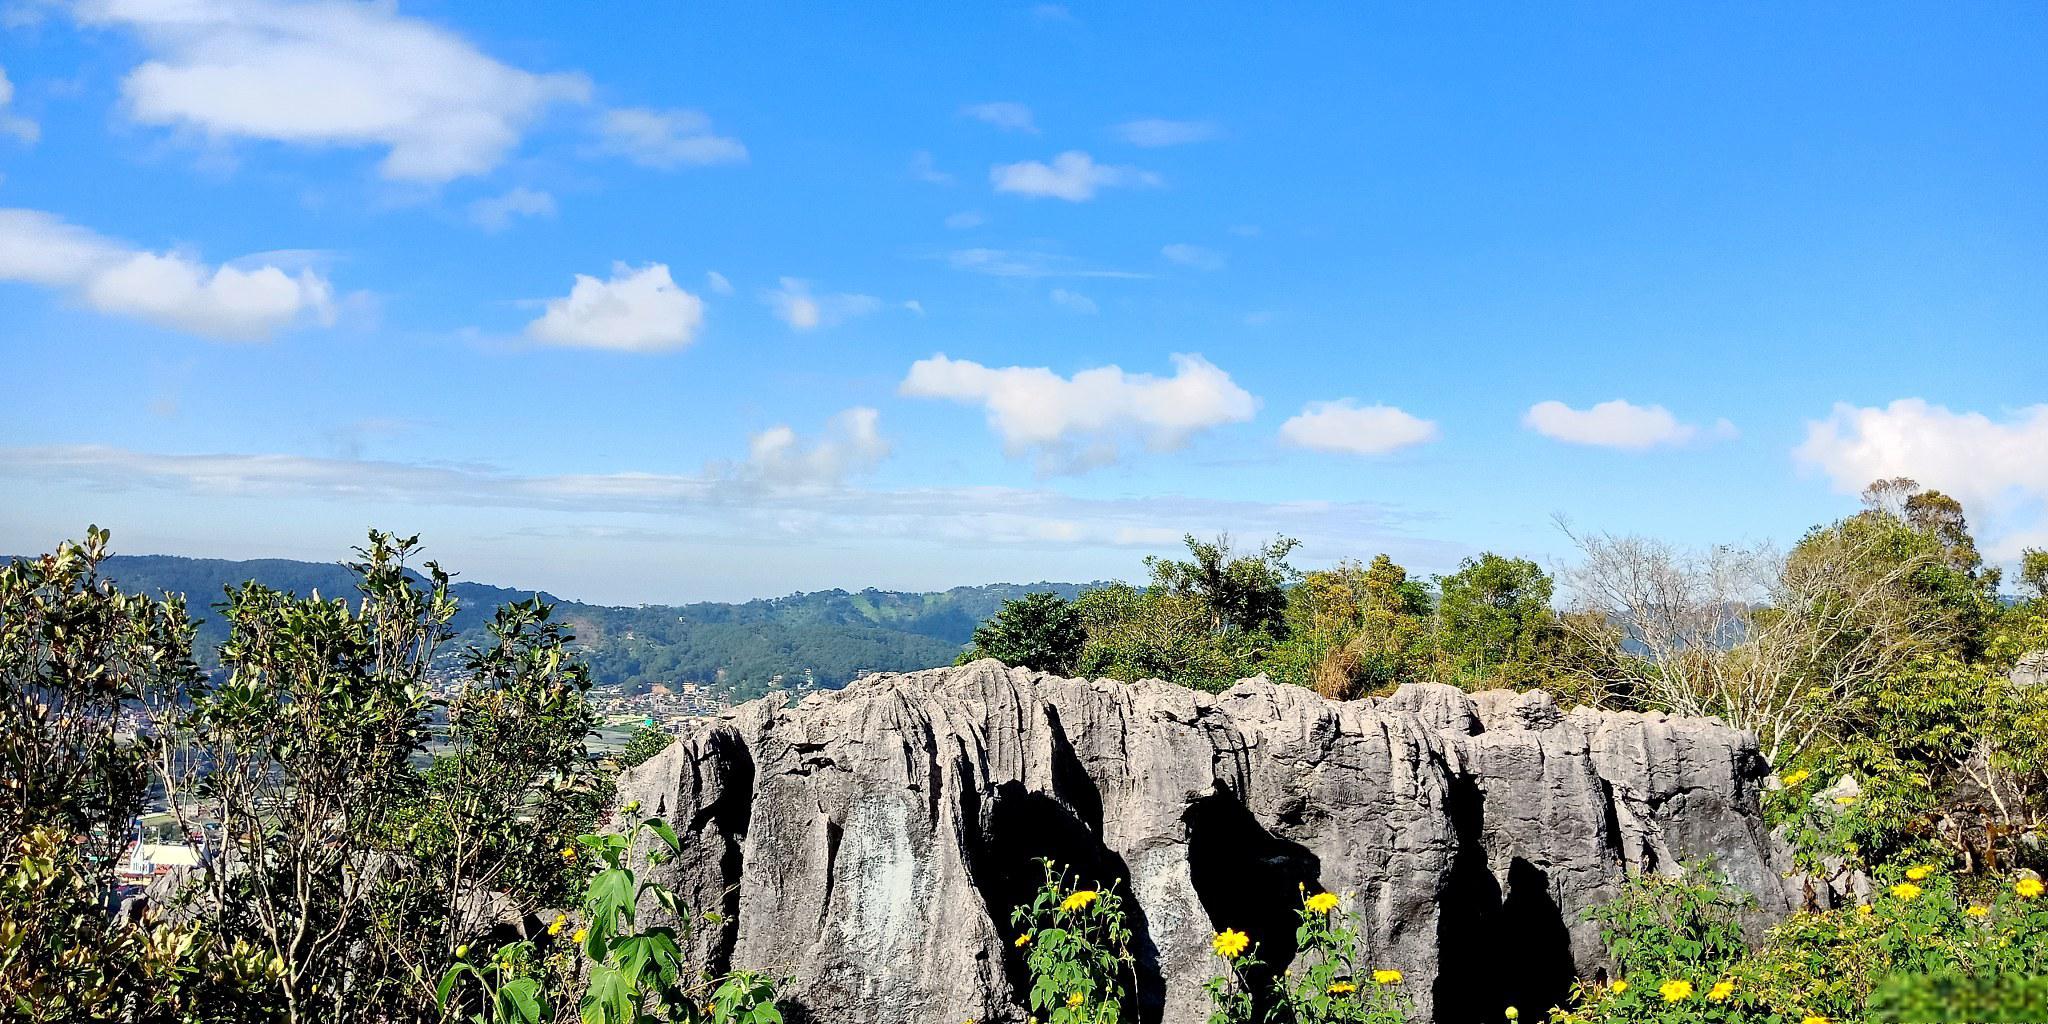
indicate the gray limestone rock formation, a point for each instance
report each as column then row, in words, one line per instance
column 870, row 842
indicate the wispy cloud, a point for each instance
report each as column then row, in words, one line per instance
column 1073, row 176
column 923, row 168
column 496, row 213
column 1074, row 301
column 795, row 305
column 1192, row 256
column 665, row 139
column 1154, row 132
column 1028, row 263
column 1010, row 117
column 23, row 129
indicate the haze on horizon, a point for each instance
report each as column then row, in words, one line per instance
column 731, row 303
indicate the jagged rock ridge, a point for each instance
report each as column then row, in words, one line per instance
column 871, row 842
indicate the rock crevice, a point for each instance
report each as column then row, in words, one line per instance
column 870, row 842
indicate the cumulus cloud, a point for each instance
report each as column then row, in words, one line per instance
column 794, row 305
column 852, row 444
column 496, row 213
column 1073, row 176
column 1616, row 424
column 1192, row 256
column 665, row 139
column 1154, row 132
column 14, row 124
column 1081, row 421
column 329, row 73
column 1345, row 426
column 1010, row 117
column 234, row 302
column 1997, row 469
column 637, row 310
column 1074, row 301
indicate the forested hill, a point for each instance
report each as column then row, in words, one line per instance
column 829, row 637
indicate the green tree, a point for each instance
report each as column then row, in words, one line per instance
column 1245, row 592
column 1137, row 634
column 1495, row 626
column 1041, row 631
column 2034, row 572
column 1356, row 629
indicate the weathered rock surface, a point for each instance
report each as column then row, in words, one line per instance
column 870, row 842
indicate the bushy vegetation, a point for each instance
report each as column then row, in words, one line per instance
column 357, row 853
column 388, row 793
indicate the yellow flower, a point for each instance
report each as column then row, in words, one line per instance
column 1906, row 891
column 1674, row 991
column 1814, row 1018
column 1079, row 899
column 1619, row 986
column 1919, row 872
column 1076, row 1000
column 2028, row 888
column 1342, row 988
column 1721, row 991
column 1864, row 910
column 631, row 806
column 555, row 926
column 1023, row 940
column 1384, row 977
column 1978, row 911
column 1795, row 778
column 568, row 853
column 1322, row 902
column 1845, row 800
column 1230, row 943
column 581, row 934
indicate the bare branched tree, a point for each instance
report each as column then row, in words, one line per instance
column 1766, row 643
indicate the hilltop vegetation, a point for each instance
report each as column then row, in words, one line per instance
column 360, row 874
column 828, row 637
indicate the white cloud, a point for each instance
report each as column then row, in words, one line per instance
column 966, row 219
column 13, row 124
column 717, row 282
column 1154, row 131
column 1074, row 301
column 1073, row 176
column 1616, row 424
column 747, row 502
column 1079, row 421
column 496, row 213
column 923, row 168
column 1345, row 426
column 794, row 305
column 1998, row 470
column 852, row 444
column 242, row 302
column 1192, row 256
column 635, row 311
column 666, row 139
column 330, row 73
column 914, row 306
column 1010, row 117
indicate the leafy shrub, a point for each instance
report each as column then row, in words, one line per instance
column 1077, row 951
column 630, row 974
column 1325, row 984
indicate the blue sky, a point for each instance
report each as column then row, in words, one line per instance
column 694, row 301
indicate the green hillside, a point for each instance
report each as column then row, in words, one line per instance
column 829, row 637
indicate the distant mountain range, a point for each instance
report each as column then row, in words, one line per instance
column 829, row 637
